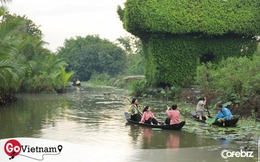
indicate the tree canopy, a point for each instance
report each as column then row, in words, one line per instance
column 24, row 62
column 210, row 17
column 91, row 54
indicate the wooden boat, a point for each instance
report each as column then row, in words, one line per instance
column 76, row 83
column 227, row 123
column 161, row 126
column 196, row 118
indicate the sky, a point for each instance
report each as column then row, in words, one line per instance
column 63, row 19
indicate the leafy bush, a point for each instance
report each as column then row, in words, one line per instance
column 137, row 87
column 99, row 78
column 234, row 75
column 38, row 83
column 140, row 88
column 237, row 79
column 135, row 65
column 173, row 59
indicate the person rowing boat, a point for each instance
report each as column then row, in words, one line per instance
column 134, row 111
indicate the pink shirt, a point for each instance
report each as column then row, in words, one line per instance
column 174, row 115
column 147, row 115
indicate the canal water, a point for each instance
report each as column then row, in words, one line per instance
column 93, row 116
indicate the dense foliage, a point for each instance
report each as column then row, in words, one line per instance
column 91, row 54
column 174, row 59
column 210, row 17
column 178, row 35
column 134, row 54
column 24, row 63
column 236, row 80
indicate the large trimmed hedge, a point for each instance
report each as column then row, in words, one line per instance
column 211, row 17
column 173, row 59
column 177, row 35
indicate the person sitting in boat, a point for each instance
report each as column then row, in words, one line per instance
column 173, row 115
column 148, row 116
column 77, row 82
column 134, row 111
column 200, row 110
column 223, row 113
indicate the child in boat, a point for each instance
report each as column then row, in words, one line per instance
column 223, row 113
column 133, row 110
column 200, row 108
column 148, row 116
column 173, row 115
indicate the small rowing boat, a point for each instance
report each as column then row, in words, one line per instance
column 196, row 118
column 162, row 126
column 227, row 123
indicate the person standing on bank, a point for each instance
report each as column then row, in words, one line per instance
column 148, row 116
column 223, row 113
column 134, row 111
column 173, row 115
column 200, row 110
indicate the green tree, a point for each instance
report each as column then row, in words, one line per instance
column 86, row 55
column 134, row 53
column 11, row 69
column 24, row 62
column 179, row 35
column 63, row 79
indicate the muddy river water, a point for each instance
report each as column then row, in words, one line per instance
column 93, row 116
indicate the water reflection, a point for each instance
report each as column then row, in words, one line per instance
column 173, row 141
column 146, row 137
column 23, row 119
column 134, row 133
column 94, row 117
column 150, row 138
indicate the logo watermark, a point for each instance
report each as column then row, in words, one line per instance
column 13, row 148
column 225, row 154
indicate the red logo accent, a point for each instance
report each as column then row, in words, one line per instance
column 12, row 148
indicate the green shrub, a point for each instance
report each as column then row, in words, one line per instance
column 137, row 87
column 235, row 77
column 38, row 83
column 99, row 78
column 173, row 59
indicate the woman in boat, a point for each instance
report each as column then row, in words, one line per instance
column 173, row 115
column 200, row 110
column 134, row 111
column 223, row 113
column 148, row 116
